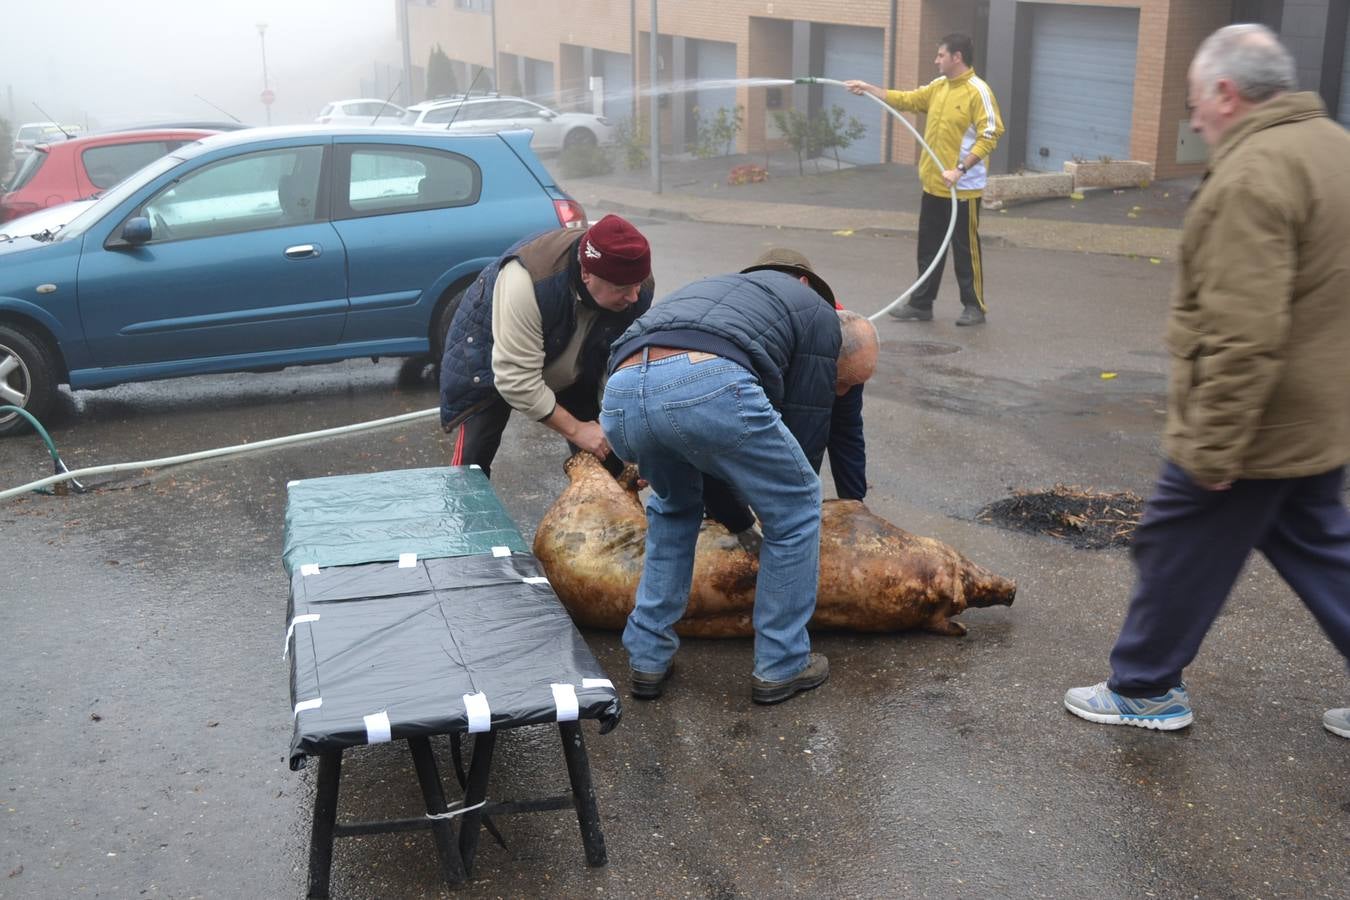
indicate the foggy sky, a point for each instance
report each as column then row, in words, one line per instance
column 143, row 60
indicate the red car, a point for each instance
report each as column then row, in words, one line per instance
column 73, row 170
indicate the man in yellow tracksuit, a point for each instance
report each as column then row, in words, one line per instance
column 963, row 128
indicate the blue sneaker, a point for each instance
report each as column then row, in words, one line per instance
column 1099, row 703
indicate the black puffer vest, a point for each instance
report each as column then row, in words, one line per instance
column 551, row 259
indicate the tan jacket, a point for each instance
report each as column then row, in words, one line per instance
column 1260, row 325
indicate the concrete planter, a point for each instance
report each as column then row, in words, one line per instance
column 1113, row 174
column 1028, row 186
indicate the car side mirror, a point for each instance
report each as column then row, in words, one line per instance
column 136, row 230
column 547, row 114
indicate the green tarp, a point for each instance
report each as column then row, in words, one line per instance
column 347, row 520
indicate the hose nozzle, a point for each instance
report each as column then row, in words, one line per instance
column 806, row 79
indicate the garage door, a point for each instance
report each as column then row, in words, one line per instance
column 1081, row 93
column 713, row 61
column 852, row 52
column 539, row 81
column 1344, row 114
column 617, row 70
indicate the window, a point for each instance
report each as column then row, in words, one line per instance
column 387, row 179
column 260, row 190
column 519, row 109
column 110, row 164
column 27, row 169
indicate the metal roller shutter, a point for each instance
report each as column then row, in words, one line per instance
column 539, row 81
column 1081, row 93
column 617, row 70
column 1344, row 114
column 852, row 52
column 714, row 61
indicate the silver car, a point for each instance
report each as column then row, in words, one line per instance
column 476, row 115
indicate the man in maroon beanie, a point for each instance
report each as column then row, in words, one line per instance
column 532, row 334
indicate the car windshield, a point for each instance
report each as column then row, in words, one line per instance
column 27, row 169
column 29, row 132
column 120, row 192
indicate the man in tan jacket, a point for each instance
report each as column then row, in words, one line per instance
column 1258, row 424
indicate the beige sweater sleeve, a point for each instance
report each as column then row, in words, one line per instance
column 518, row 344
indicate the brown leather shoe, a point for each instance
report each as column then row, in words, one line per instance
column 813, row 676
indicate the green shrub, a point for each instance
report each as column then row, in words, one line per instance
column 580, row 161
column 633, row 140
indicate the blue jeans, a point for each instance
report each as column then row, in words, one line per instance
column 678, row 420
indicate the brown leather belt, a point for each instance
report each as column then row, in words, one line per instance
column 655, row 353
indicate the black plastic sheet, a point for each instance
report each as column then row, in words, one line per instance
column 389, row 650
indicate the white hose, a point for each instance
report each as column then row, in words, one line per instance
column 941, row 254
column 219, row 451
column 408, row 417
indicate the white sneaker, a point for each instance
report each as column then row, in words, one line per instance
column 1337, row 721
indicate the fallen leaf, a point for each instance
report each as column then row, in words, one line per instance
column 844, row 232
column 1107, row 376
column 1076, row 195
column 1155, row 260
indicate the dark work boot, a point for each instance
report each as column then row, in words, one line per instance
column 648, row 685
column 906, row 313
column 813, row 676
column 970, row 315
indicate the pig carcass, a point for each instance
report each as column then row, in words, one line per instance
column 873, row 575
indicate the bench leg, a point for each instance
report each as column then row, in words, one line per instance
column 442, row 832
column 325, row 817
column 475, row 791
column 583, row 793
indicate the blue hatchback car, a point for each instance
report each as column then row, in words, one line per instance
column 266, row 248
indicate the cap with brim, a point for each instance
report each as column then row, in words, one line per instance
column 790, row 262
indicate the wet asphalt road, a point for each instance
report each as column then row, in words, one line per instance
column 145, row 714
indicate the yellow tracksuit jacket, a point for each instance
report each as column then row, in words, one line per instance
column 963, row 118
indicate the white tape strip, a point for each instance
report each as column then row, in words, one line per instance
column 535, row 579
column 480, row 714
column 597, row 683
column 501, row 551
column 309, row 569
column 475, row 466
column 565, row 698
column 377, row 728
column 291, row 484
column 290, row 630
column 461, row 810
column 307, row 704
column 407, row 560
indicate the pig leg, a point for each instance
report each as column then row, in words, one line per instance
column 942, row 625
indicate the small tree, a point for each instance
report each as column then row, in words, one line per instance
column 440, row 74
column 717, row 136
column 836, row 134
column 800, row 132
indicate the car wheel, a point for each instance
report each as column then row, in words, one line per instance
column 579, row 137
column 25, row 378
column 441, row 330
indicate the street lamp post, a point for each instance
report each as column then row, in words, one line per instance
column 262, row 41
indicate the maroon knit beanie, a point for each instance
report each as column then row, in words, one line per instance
column 616, row 251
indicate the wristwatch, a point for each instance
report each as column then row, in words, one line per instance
column 961, row 167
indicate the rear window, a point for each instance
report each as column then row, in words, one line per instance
column 108, row 165
column 409, row 117
column 29, row 132
column 386, row 179
column 27, row 169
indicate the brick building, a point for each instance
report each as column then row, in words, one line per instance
column 1083, row 79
